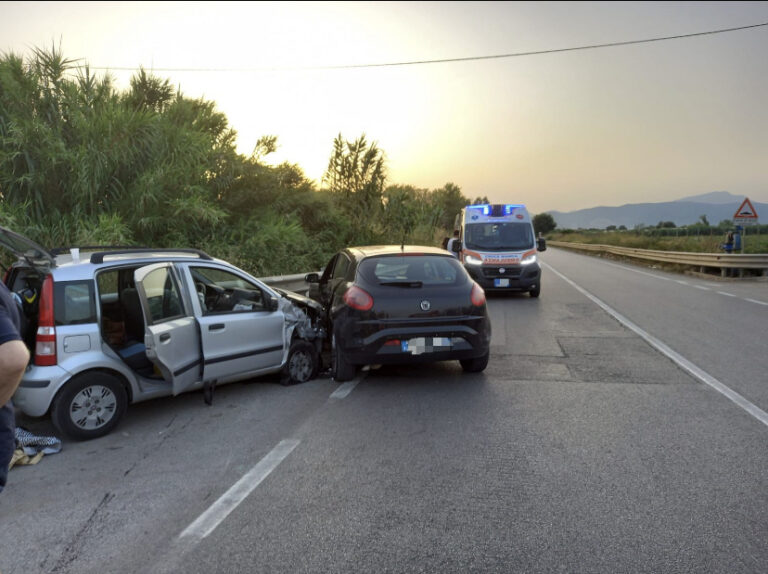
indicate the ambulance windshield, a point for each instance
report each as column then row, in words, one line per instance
column 502, row 236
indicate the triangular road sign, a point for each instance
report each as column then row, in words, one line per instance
column 746, row 210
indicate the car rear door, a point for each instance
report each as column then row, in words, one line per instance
column 171, row 337
column 35, row 255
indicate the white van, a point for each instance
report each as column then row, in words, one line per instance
column 498, row 247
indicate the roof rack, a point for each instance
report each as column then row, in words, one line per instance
column 61, row 250
column 98, row 257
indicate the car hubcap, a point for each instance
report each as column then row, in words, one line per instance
column 93, row 407
column 301, row 366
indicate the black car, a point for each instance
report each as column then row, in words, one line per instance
column 401, row 304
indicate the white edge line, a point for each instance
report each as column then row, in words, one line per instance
column 219, row 510
column 684, row 363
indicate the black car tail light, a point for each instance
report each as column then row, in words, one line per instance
column 477, row 296
column 45, row 341
column 358, row 298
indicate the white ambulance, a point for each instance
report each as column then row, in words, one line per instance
column 498, row 246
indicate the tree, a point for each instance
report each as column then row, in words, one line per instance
column 148, row 92
column 704, row 220
column 356, row 174
column 725, row 224
column 450, row 201
column 543, row 223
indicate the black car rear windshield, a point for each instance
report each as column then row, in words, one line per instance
column 412, row 270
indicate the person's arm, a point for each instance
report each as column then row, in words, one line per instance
column 14, row 357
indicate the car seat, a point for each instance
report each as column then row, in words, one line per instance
column 134, row 352
column 133, row 316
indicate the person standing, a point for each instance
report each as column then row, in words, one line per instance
column 451, row 241
column 728, row 246
column 14, row 357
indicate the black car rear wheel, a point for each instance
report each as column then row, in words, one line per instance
column 475, row 365
column 341, row 370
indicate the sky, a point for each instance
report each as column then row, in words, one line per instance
column 566, row 130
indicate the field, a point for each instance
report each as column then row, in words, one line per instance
column 681, row 239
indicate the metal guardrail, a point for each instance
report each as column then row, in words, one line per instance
column 722, row 261
column 293, row 283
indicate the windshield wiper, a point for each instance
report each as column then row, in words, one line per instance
column 402, row 283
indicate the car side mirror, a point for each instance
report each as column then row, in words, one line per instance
column 542, row 244
column 456, row 246
column 312, row 278
column 272, row 303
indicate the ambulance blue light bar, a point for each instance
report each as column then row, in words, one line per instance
column 486, row 209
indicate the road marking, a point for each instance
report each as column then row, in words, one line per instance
column 219, row 510
column 344, row 389
column 684, row 363
column 662, row 278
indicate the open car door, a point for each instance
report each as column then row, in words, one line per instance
column 171, row 335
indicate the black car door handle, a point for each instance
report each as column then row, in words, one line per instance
column 165, row 337
column 216, row 327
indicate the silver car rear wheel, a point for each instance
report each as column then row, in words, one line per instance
column 89, row 406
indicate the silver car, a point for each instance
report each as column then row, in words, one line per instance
column 110, row 327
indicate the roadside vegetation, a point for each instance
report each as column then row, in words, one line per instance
column 84, row 164
column 693, row 239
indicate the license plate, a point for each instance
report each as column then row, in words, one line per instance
column 501, row 282
column 421, row 345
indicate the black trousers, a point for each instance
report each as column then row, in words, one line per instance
column 7, row 440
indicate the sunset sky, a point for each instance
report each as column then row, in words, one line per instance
column 560, row 131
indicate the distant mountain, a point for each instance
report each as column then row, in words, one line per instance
column 717, row 206
column 715, row 197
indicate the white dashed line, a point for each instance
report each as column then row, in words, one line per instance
column 726, row 294
column 344, row 389
column 684, row 363
column 219, row 510
column 756, row 301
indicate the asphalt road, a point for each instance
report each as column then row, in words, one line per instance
column 582, row 448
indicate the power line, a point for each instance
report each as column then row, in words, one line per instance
column 443, row 60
